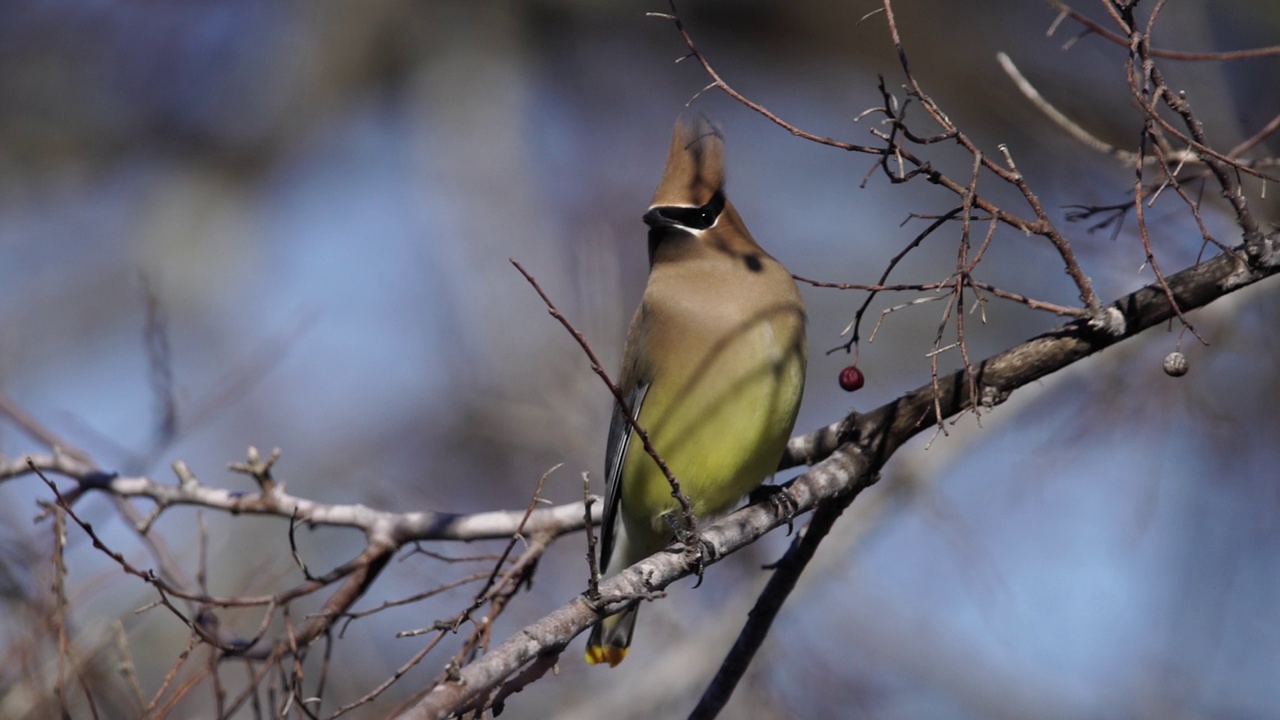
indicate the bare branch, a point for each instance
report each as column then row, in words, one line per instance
column 868, row 441
column 1101, row 31
column 391, row 527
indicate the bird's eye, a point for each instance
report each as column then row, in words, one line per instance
column 710, row 212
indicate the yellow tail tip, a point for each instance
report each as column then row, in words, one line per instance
column 597, row 654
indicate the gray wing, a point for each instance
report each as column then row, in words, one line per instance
column 615, row 455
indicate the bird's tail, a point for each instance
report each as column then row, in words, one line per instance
column 611, row 637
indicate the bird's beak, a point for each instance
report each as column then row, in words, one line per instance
column 655, row 219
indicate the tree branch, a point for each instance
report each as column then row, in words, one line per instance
column 865, row 443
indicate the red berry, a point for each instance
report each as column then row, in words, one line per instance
column 851, row 378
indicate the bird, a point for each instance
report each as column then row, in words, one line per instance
column 713, row 369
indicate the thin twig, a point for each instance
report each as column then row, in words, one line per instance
column 1221, row 56
column 686, row 508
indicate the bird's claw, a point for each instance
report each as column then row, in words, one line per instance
column 781, row 500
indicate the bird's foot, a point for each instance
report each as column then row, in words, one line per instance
column 697, row 551
column 781, row 500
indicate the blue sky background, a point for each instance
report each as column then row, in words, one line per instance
column 323, row 198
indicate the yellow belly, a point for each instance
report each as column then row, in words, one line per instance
column 721, row 425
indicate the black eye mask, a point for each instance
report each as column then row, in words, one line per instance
column 699, row 218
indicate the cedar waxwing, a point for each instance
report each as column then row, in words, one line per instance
column 713, row 369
